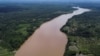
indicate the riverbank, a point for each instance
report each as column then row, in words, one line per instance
column 48, row 40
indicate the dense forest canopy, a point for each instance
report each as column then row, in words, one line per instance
column 19, row 20
column 84, row 32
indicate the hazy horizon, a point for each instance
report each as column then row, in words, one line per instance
column 49, row 0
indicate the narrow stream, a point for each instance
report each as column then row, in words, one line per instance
column 48, row 40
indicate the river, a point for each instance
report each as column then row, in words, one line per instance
column 48, row 40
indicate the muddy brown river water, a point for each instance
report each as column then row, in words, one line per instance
column 48, row 40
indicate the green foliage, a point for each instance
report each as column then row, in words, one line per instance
column 5, row 52
column 19, row 21
column 84, row 31
column 70, row 53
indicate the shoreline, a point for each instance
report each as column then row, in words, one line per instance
column 48, row 40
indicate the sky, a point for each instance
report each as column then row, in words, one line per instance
column 51, row 0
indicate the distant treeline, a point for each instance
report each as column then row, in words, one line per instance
column 19, row 21
column 84, row 32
